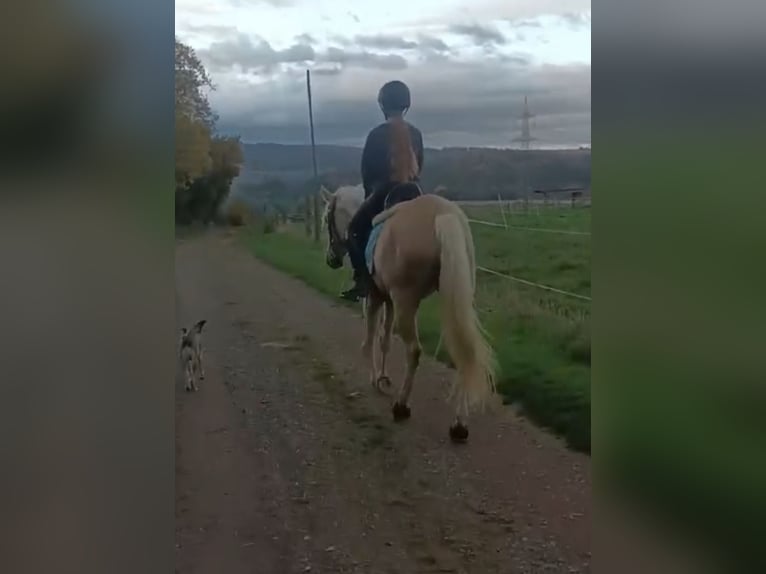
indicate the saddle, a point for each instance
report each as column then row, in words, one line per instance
column 399, row 193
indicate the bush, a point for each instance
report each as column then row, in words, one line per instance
column 237, row 214
column 269, row 225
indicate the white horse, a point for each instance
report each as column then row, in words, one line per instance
column 348, row 200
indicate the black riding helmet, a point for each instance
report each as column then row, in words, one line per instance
column 394, row 96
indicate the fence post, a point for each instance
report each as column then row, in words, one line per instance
column 316, row 216
column 308, row 216
column 502, row 211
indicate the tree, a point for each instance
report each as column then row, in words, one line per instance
column 206, row 165
column 227, row 156
column 193, row 116
column 193, row 146
column 191, row 82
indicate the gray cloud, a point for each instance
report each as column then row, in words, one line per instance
column 517, row 59
column 481, row 35
column 275, row 3
column 385, row 42
column 363, row 58
column 423, row 43
column 525, row 23
column 487, row 10
column 577, row 19
column 239, row 51
column 432, row 43
column 213, row 30
column 334, row 71
column 305, row 39
column 454, row 103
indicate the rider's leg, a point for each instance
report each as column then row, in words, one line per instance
column 358, row 233
column 356, row 230
column 361, row 221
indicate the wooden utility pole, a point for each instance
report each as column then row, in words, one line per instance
column 313, row 158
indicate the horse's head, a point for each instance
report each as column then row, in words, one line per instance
column 336, row 245
column 339, row 208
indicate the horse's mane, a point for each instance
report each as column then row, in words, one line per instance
column 349, row 198
column 404, row 164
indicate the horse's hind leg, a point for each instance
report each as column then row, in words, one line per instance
column 385, row 344
column 408, row 331
column 372, row 305
column 458, row 432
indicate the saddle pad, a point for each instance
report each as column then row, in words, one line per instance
column 369, row 251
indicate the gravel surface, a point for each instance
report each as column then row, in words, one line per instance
column 288, row 462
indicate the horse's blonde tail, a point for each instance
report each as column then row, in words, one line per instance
column 463, row 335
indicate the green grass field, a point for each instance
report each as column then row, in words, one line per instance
column 542, row 339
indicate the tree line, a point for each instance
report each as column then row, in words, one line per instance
column 205, row 163
column 462, row 173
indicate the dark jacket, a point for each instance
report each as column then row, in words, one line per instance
column 376, row 165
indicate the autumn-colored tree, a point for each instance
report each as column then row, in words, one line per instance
column 191, row 82
column 212, row 188
column 193, row 116
column 193, row 148
column 227, row 156
column 205, row 164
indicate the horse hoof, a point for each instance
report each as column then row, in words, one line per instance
column 458, row 432
column 379, row 384
column 401, row 412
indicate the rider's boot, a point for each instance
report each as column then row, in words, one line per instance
column 362, row 278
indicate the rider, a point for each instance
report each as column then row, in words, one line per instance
column 393, row 153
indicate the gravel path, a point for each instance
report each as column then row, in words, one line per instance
column 288, row 462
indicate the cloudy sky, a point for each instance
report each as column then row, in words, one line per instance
column 469, row 64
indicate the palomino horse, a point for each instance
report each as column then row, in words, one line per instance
column 423, row 245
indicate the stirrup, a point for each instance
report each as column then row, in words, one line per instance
column 355, row 293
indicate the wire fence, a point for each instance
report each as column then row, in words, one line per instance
column 506, row 226
column 311, row 223
column 532, row 283
column 521, row 228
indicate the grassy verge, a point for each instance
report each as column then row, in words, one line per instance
column 544, row 356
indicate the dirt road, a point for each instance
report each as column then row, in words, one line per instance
column 287, row 461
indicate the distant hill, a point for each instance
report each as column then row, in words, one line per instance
column 281, row 174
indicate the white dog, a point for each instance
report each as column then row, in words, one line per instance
column 191, row 354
